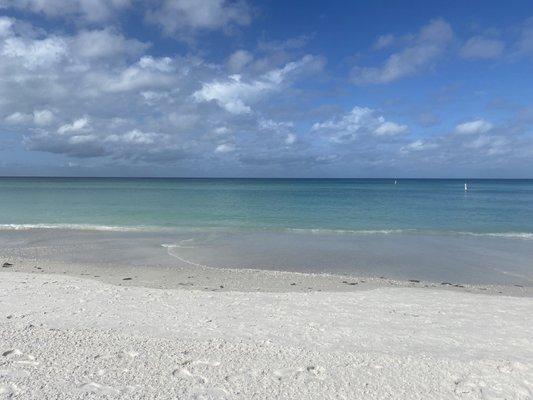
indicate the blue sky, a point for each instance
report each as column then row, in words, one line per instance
column 266, row 89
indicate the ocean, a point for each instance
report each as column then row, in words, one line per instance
column 431, row 228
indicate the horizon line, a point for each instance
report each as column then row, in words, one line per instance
column 219, row 177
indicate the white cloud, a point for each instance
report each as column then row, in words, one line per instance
column 137, row 108
column 221, row 130
column 271, row 125
column 35, row 53
column 418, row 145
column 134, row 136
column 480, row 47
column 175, row 17
column 38, row 117
column 234, row 94
column 6, row 25
column 81, row 139
column 238, row 60
column 360, row 121
column 225, row 148
column 390, row 129
column 147, row 73
column 182, row 17
column 76, row 126
column 290, row 139
column 488, row 145
column 384, row 41
column 106, row 44
column 152, row 97
column 18, row 118
column 87, row 10
column 422, row 52
column 474, row 127
column 43, row 117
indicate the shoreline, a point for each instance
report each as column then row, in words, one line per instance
column 173, row 261
column 205, row 278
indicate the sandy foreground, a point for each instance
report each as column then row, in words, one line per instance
column 67, row 337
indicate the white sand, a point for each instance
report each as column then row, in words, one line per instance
column 64, row 337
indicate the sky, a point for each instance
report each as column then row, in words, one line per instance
column 220, row 88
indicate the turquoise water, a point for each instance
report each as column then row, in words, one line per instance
column 422, row 229
column 489, row 207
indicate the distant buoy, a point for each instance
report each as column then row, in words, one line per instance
column 395, row 182
column 466, row 187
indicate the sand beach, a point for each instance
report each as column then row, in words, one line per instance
column 85, row 332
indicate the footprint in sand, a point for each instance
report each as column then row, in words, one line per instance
column 187, row 374
column 187, row 369
column 13, row 373
column 93, row 387
column 16, row 356
column 12, row 353
column 128, row 354
column 9, row 390
column 294, row 373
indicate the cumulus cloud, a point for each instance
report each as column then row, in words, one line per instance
column 17, row 118
column 79, row 146
column 43, row 117
column 238, row 60
column 182, row 17
column 76, row 126
column 359, row 122
column 481, row 47
column 423, row 50
column 6, row 25
column 418, row 145
column 147, row 73
column 106, row 43
column 35, row 53
column 95, row 94
column 225, row 148
column 474, row 127
column 134, row 136
column 390, row 129
column 290, row 139
column 271, row 125
column 235, row 94
column 87, row 10
column 38, row 117
column 80, row 142
column 98, row 94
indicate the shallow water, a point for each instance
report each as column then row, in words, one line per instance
column 437, row 258
column 415, row 229
column 350, row 205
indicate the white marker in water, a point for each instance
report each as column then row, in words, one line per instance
column 395, row 182
column 466, row 187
